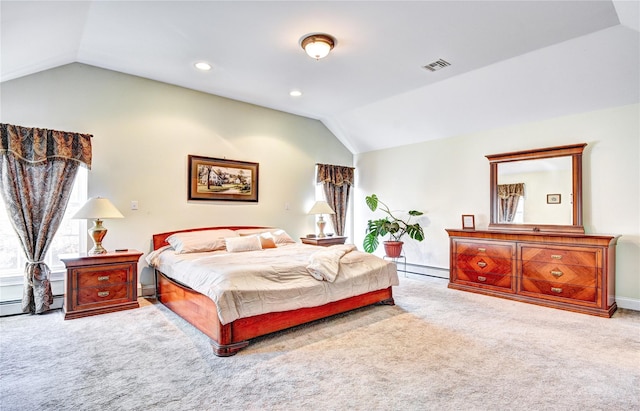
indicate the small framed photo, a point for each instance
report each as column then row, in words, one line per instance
column 468, row 222
column 553, row 198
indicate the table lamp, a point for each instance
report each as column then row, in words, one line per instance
column 321, row 207
column 97, row 209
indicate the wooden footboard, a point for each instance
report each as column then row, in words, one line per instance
column 228, row 339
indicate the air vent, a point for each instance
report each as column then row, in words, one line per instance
column 437, row 65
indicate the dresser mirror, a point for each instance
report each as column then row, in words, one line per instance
column 537, row 190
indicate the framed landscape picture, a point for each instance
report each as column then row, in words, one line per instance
column 222, row 180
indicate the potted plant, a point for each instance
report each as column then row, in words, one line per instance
column 392, row 225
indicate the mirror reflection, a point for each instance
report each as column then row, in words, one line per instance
column 537, row 191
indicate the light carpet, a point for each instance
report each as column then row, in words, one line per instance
column 436, row 349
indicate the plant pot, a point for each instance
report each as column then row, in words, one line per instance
column 393, row 249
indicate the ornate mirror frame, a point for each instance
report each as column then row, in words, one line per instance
column 575, row 152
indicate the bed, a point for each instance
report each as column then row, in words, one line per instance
column 215, row 287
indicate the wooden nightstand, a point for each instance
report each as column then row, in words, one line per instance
column 323, row 241
column 97, row 284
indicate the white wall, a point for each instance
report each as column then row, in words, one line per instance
column 448, row 178
column 143, row 131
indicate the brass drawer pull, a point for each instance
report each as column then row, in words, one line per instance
column 103, row 293
column 556, row 256
column 557, row 274
column 482, row 264
column 481, row 278
column 103, row 278
column 556, row 290
column 482, row 250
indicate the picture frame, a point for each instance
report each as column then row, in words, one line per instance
column 468, row 222
column 218, row 179
column 554, row 198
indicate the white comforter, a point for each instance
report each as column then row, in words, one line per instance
column 277, row 279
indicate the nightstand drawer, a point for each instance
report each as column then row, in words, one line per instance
column 103, row 276
column 103, row 295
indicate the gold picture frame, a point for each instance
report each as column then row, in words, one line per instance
column 217, row 179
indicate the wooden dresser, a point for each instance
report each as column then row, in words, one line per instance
column 102, row 283
column 574, row 272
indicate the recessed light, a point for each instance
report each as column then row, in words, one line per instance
column 295, row 93
column 202, row 65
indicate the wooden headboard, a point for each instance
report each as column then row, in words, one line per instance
column 160, row 240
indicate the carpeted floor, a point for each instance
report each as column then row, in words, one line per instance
column 437, row 349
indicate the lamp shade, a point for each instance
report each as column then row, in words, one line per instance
column 321, row 207
column 98, row 208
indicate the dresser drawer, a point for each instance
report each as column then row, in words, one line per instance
column 103, row 276
column 573, row 256
column 484, row 264
column 489, row 279
column 547, row 289
column 492, row 249
column 561, row 273
column 103, row 295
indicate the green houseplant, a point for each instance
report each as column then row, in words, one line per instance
column 394, row 226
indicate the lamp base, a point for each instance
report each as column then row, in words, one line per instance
column 97, row 233
column 321, row 225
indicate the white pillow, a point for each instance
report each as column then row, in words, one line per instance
column 281, row 237
column 252, row 231
column 200, row 241
column 240, row 244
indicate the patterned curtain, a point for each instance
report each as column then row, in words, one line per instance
column 508, row 197
column 336, row 182
column 37, row 171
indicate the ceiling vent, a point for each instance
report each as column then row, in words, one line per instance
column 437, row 65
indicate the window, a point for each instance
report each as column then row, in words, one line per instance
column 70, row 238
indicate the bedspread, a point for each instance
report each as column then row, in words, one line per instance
column 271, row 280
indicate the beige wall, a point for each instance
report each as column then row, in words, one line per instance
column 143, row 131
column 448, row 178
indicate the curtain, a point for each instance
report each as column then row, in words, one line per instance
column 336, row 182
column 508, row 198
column 37, row 171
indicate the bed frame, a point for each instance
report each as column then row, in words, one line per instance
column 228, row 339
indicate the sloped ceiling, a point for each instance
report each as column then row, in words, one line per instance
column 511, row 61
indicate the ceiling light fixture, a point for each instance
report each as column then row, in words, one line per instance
column 318, row 45
column 295, row 93
column 204, row 66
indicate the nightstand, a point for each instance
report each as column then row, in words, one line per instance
column 323, row 241
column 103, row 283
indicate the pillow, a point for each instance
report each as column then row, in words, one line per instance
column 281, row 237
column 254, row 231
column 267, row 240
column 240, row 244
column 200, row 241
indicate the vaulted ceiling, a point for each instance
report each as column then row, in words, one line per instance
column 510, row 61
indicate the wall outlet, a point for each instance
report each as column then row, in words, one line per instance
column 134, row 204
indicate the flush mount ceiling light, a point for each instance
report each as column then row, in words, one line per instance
column 318, row 45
